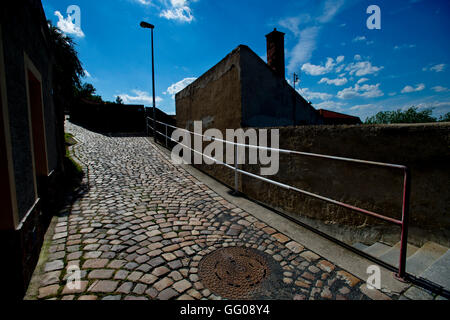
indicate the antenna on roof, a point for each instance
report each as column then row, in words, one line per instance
column 296, row 79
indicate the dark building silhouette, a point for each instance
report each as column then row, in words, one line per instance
column 336, row 118
column 275, row 52
column 244, row 91
column 31, row 141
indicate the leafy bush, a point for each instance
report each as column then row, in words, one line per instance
column 412, row 115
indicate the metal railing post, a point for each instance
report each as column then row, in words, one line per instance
column 236, row 174
column 167, row 144
column 154, row 124
column 405, row 219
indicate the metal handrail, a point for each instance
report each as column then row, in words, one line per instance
column 403, row 223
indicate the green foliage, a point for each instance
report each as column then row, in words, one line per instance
column 67, row 68
column 119, row 100
column 412, row 115
column 68, row 71
column 87, row 92
column 445, row 117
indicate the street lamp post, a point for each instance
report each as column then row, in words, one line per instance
column 146, row 25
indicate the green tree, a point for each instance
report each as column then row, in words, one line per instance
column 445, row 117
column 119, row 100
column 411, row 115
column 66, row 73
column 67, row 68
column 87, row 92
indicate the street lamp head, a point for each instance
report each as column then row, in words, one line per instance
column 147, row 25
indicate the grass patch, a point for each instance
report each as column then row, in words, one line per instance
column 74, row 172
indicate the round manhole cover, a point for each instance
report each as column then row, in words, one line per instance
column 234, row 272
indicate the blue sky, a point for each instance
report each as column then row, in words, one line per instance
column 343, row 65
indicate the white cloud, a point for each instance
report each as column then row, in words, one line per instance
column 139, row 97
column 366, row 91
column 305, row 47
column 330, row 105
column 358, row 39
column 336, row 82
column 180, row 85
column 310, row 95
column 405, row 46
column 178, row 10
column 436, row 68
column 440, row 89
column 293, row 23
column 363, row 107
column 330, row 9
column 317, row 70
column 357, row 57
column 145, row 2
column 362, row 80
column 409, row 89
column 67, row 26
column 87, row 74
column 307, row 37
column 362, row 68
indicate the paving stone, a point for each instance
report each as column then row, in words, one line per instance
column 112, row 297
column 373, row 293
column 182, row 285
column 148, row 279
column 295, row 247
column 95, row 263
column 140, row 288
column 117, row 264
column 160, row 271
column 167, row 294
column 185, row 297
column 415, row 293
column 350, row 279
column 175, row 275
column 175, row 264
column 326, row 265
column 92, row 254
column 121, row 274
column 125, row 288
column 134, row 298
column 135, row 276
column 163, row 284
column 152, row 293
column 156, row 262
column 88, row 297
column 81, row 287
column 104, row 286
column 101, row 274
column 310, row 256
column 54, row 265
column 45, row 292
column 50, row 278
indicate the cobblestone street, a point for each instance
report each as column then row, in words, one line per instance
column 143, row 226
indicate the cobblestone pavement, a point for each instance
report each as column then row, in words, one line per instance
column 143, row 226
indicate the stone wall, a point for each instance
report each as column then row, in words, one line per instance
column 423, row 148
column 214, row 98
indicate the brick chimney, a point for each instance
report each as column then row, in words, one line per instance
column 275, row 52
